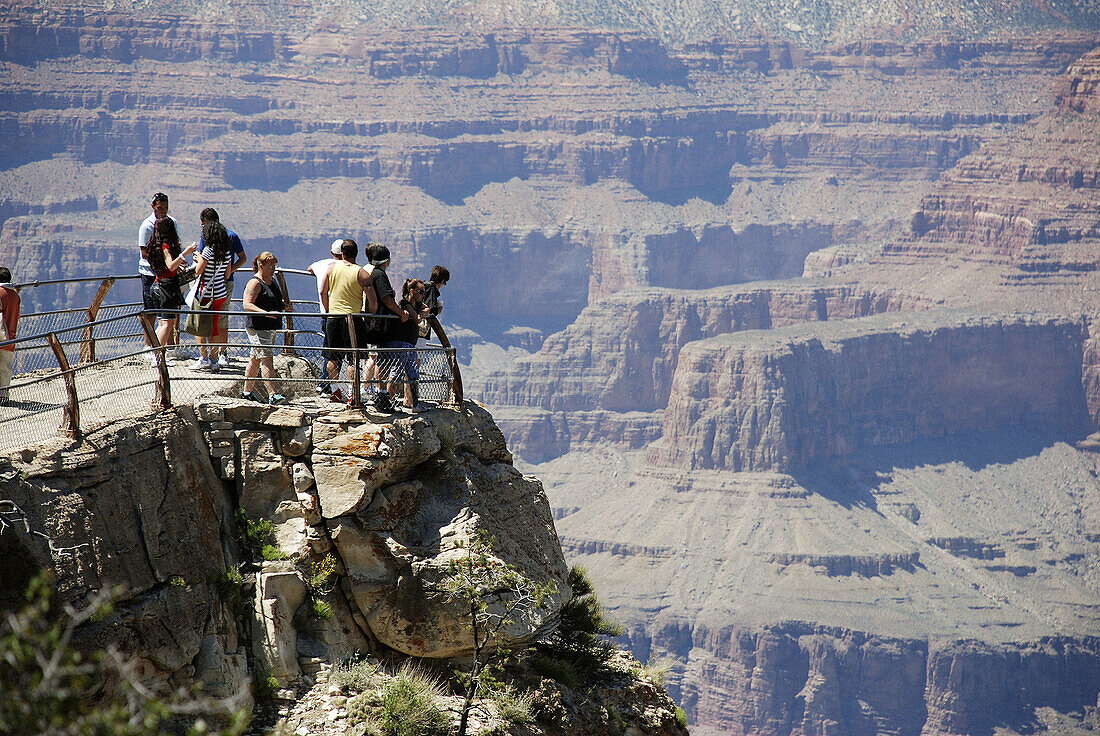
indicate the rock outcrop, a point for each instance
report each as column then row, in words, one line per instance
column 787, row 398
column 140, row 504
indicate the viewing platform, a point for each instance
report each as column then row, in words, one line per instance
column 80, row 368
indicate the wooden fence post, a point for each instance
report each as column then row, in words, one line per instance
column 70, row 420
column 355, row 379
column 456, row 377
column 288, row 336
column 163, row 397
column 87, row 347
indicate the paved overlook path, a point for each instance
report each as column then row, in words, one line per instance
column 126, row 388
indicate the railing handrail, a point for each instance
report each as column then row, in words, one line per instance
column 123, row 277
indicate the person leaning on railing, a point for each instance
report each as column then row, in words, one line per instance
column 9, row 322
column 264, row 300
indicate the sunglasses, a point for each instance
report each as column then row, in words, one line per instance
column 418, row 291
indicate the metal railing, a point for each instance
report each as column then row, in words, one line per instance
column 94, row 368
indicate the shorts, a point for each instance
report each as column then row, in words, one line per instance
column 7, row 363
column 219, row 331
column 221, row 327
column 338, row 341
column 171, row 286
column 261, row 341
column 403, row 362
column 146, row 297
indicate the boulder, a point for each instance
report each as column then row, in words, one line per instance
column 264, row 480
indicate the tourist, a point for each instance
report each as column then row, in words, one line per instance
column 386, row 305
column 264, row 301
column 343, row 293
column 212, row 266
column 404, row 336
column 9, row 323
column 434, row 302
column 145, row 234
column 320, row 270
column 219, row 354
column 165, row 259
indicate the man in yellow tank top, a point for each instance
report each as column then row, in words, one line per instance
column 343, row 292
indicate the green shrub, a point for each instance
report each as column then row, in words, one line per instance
column 320, row 609
column 357, row 675
column 513, row 707
column 258, row 537
column 410, row 705
column 681, row 717
column 580, row 639
column 231, row 585
column 264, row 686
column 557, row 670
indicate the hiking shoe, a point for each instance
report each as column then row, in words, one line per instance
column 336, row 396
column 276, row 399
column 202, row 364
column 223, row 361
column 383, row 404
column 249, row 396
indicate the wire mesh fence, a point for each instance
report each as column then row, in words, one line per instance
column 112, row 373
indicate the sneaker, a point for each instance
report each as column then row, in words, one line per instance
column 202, row 364
column 276, row 399
column 223, row 361
column 153, row 360
column 336, row 396
column 324, row 389
column 383, row 404
column 249, row 396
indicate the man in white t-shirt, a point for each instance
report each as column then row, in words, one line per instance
column 320, row 270
column 145, row 234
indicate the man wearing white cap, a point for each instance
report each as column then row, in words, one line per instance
column 320, row 270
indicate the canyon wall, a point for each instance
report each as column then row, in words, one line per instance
column 786, row 398
column 813, row 681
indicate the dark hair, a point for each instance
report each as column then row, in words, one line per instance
column 164, row 233
column 216, row 236
column 5, row 274
column 440, row 275
column 209, row 215
column 379, row 255
column 349, row 249
column 160, row 197
column 406, row 288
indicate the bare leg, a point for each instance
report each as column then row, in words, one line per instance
column 267, row 368
column 250, row 373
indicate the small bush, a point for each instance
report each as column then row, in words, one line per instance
column 357, row 675
column 512, row 706
column 681, row 717
column 410, row 705
column 558, row 670
column 581, row 638
column 264, row 686
column 231, row 585
column 258, row 537
column 321, row 578
column 657, row 670
column 320, row 609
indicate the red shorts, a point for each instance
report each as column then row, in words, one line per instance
column 219, row 330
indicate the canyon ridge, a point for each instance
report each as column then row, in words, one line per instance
column 799, row 330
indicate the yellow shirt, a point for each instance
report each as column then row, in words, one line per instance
column 345, row 295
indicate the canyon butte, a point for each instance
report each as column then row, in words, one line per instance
column 799, row 330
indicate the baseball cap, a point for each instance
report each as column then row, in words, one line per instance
column 335, row 248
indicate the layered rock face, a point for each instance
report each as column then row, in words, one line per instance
column 140, row 504
column 786, row 398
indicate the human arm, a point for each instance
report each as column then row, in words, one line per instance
column 324, row 293
column 238, row 249
column 369, row 293
column 394, row 307
column 248, row 300
column 172, row 264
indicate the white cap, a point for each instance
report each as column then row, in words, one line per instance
column 337, row 247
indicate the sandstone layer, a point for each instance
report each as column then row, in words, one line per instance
column 787, row 398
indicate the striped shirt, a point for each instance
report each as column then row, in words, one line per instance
column 213, row 278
